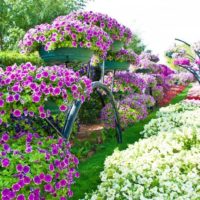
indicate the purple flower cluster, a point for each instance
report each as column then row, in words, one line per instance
column 25, row 89
column 47, row 171
column 66, row 33
column 182, row 78
column 129, row 82
column 123, row 55
column 131, row 109
column 110, row 25
column 182, row 61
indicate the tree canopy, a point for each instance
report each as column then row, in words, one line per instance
column 17, row 16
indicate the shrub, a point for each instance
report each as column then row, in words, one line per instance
column 8, row 58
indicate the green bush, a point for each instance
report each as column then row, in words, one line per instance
column 8, row 58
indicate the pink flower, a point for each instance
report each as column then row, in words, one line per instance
column 35, row 98
column 17, row 113
column 27, row 180
column 1, row 102
column 43, row 115
column 56, row 91
column 37, row 180
column 19, row 167
column 5, row 137
column 63, row 108
column 16, row 187
column 48, row 188
column 5, row 162
column 48, row 178
column 51, row 167
column 21, row 197
column 26, row 169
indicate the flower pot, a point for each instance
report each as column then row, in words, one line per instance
column 116, row 46
column 66, row 55
column 114, row 65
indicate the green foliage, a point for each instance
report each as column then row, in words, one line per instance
column 90, row 110
column 136, row 45
column 8, row 58
column 18, row 16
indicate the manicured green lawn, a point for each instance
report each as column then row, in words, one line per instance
column 91, row 168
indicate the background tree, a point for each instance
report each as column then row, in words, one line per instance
column 17, row 16
column 136, row 45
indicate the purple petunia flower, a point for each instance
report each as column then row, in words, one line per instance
column 37, row 180
column 5, row 162
column 1, row 103
column 27, row 180
column 48, row 178
column 63, row 108
column 26, row 169
column 21, row 197
column 16, row 187
column 51, row 167
column 17, row 113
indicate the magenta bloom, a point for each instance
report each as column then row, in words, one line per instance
column 37, row 180
column 48, row 178
column 6, row 147
column 1, row 102
column 27, row 180
column 63, row 108
column 5, row 192
column 16, row 187
column 36, row 98
column 17, row 113
column 48, row 188
column 21, row 197
column 10, row 99
column 5, row 137
column 56, row 91
column 5, row 162
column 63, row 183
column 51, row 167
column 26, row 169
column 43, row 115
column 42, row 176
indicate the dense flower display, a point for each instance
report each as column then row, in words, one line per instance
column 173, row 116
column 182, row 78
column 165, row 166
column 122, row 56
column 109, row 25
column 66, row 34
column 131, row 109
column 26, row 89
column 36, row 168
column 126, row 82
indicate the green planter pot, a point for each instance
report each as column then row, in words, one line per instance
column 66, row 55
column 114, row 65
column 116, row 46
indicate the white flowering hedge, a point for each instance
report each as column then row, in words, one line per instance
column 186, row 113
column 165, row 166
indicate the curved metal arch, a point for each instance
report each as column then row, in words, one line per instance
column 72, row 114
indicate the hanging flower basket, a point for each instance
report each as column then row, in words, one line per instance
column 114, row 65
column 66, row 55
column 116, row 46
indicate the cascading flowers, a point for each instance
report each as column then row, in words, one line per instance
column 26, row 89
column 110, row 25
column 122, row 56
column 67, row 33
column 36, row 168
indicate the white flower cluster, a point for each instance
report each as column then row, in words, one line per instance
column 165, row 166
column 186, row 113
column 196, row 46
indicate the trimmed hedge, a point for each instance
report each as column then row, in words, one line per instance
column 8, row 58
